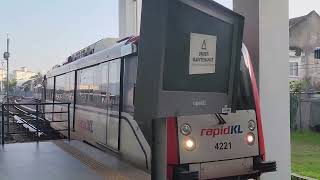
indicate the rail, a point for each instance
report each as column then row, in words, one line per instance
column 35, row 121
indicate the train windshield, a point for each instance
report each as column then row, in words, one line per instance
column 245, row 98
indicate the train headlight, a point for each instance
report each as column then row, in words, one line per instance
column 250, row 138
column 185, row 129
column 189, row 144
column 251, row 125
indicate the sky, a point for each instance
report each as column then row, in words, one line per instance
column 296, row 7
column 43, row 33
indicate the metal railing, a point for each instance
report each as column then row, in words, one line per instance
column 32, row 119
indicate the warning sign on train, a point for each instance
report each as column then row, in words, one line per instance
column 202, row 58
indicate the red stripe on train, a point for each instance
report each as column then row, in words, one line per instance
column 172, row 146
column 257, row 104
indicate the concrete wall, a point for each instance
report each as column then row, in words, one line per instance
column 308, row 68
column 297, row 59
column 251, row 13
column 311, row 67
column 273, row 43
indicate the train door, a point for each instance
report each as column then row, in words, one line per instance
column 102, row 138
column 113, row 104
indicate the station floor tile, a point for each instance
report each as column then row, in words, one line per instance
column 62, row 160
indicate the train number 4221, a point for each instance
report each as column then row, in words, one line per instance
column 223, row 145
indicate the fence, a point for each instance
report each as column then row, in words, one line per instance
column 34, row 120
column 305, row 111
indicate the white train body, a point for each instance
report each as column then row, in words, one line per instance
column 101, row 88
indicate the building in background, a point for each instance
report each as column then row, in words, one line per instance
column 3, row 78
column 23, row 74
column 304, row 40
column 296, row 62
column 304, row 64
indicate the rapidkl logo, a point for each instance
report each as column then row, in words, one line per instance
column 236, row 129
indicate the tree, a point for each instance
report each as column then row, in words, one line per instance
column 26, row 86
column 38, row 78
column 296, row 87
column 12, row 84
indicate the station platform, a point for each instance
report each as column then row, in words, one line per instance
column 63, row 160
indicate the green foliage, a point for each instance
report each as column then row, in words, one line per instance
column 38, row 78
column 296, row 87
column 305, row 154
column 294, row 104
column 12, row 84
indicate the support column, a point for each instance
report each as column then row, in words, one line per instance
column 251, row 28
column 159, row 150
column 267, row 36
column 129, row 17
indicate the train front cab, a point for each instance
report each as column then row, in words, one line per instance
column 195, row 78
column 221, row 145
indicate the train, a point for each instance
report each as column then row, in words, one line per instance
column 102, row 89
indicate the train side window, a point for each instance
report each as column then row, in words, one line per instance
column 114, row 84
column 49, row 96
column 85, row 86
column 104, row 84
column 65, row 87
column 96, row 89
column 71, row 82
column 99, row 86
column 134, row 93
column 60, row 86
column 129, row 83
column 49, row 89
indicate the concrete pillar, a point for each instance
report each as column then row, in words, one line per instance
column 129, row 17
column 267, row 35
column 251, row 13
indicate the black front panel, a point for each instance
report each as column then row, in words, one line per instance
column 176, row 68
column 188, row 60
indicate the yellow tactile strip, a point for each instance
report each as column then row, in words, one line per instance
column 93, row 164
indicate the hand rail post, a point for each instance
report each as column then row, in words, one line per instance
column 8, row 122
column 37, row 122
column 69, row 121
column 2, row 124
